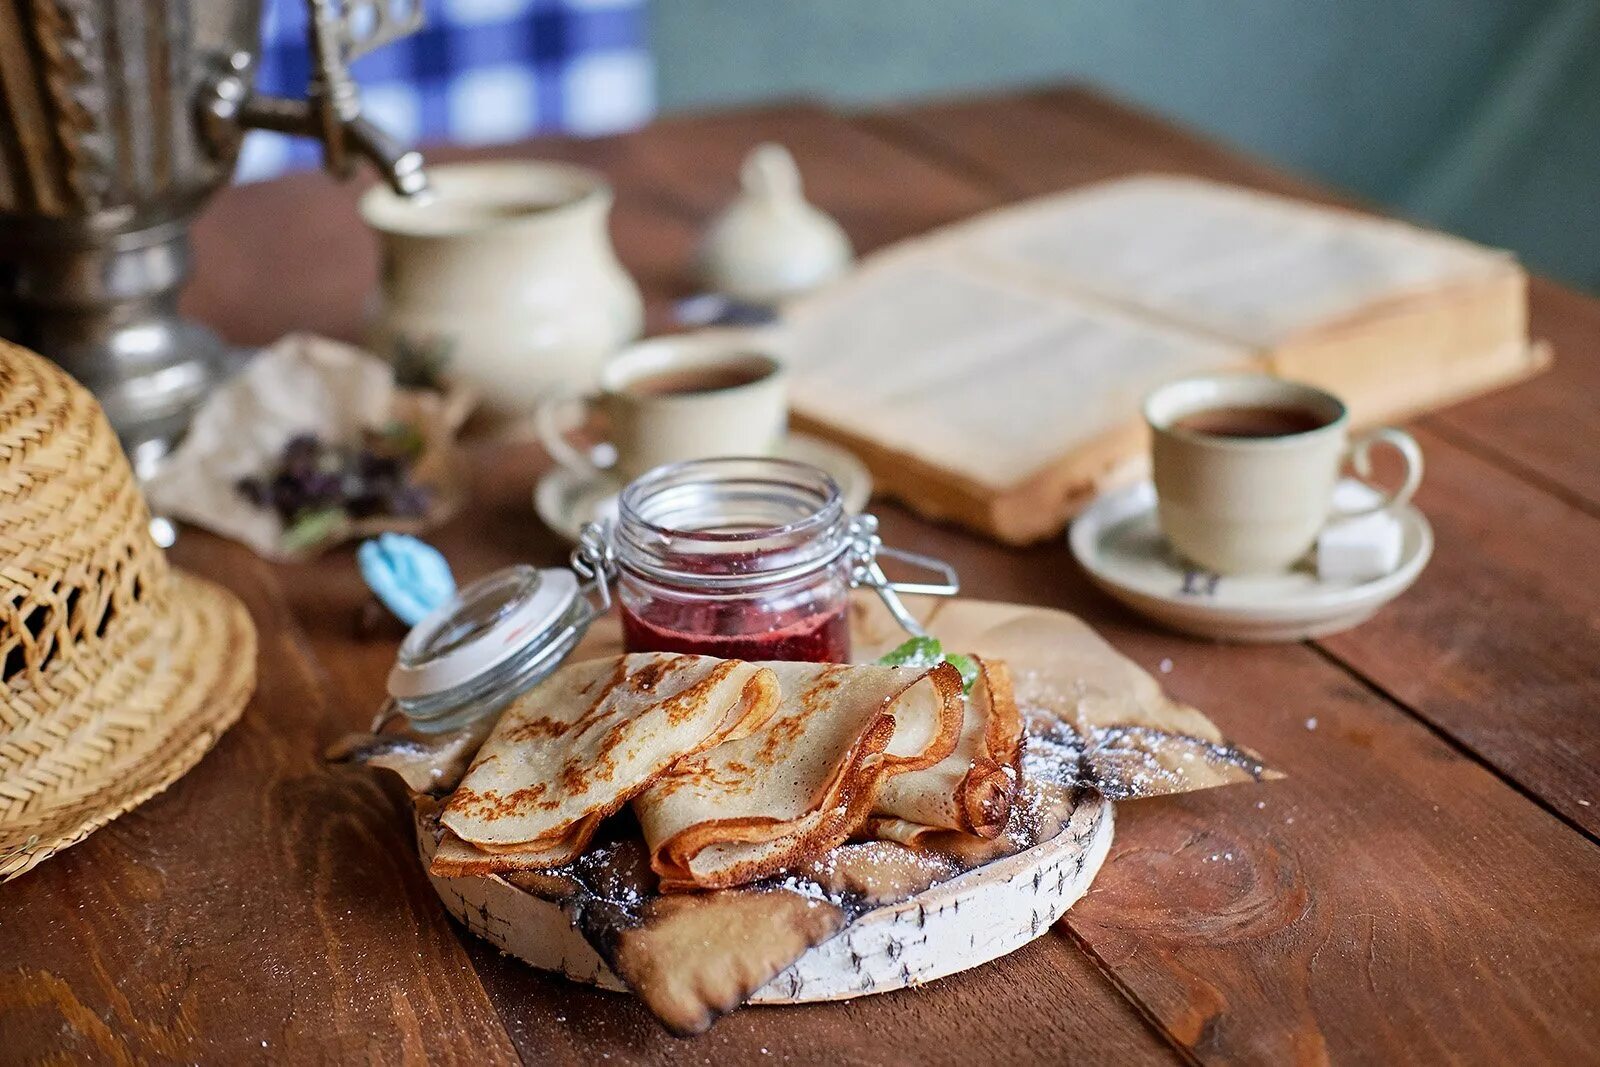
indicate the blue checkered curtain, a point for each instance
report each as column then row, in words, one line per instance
column 478, row 72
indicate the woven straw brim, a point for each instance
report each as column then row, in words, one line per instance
column 140, row 708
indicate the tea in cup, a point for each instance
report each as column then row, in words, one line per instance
column 1245, row 467
column 670, row 399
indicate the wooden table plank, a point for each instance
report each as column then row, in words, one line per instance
column 1039, row 142
column 1496, row 644
column 1537, row 730
column 265, row 907
column 1387, row 867
column 1372, row 909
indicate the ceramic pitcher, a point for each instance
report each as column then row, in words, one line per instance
column 504, row 281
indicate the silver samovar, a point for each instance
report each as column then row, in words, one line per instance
column 117, row 120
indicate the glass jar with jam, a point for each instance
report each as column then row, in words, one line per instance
column 738, row 558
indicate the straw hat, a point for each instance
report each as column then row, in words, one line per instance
column 117, row 673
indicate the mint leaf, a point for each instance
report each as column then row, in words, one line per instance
column 928, row 652
column 917, row 652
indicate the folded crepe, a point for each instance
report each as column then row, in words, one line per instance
column 581, row 745
column 970, row 790
column 803, row 781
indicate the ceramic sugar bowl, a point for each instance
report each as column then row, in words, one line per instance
column 503, row 280
column 771, row 244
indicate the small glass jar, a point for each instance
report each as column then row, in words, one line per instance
column 737, row 558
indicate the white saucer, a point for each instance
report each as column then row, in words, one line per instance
column 566, row 499
column 1119, row 543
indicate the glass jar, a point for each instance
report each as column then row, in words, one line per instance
column 495, row 639
column 737, row 558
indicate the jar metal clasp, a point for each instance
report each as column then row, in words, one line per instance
column 595, row 563
column 865, row 549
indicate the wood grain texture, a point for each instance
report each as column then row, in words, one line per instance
column 1230, row 1016
column 1379, row 822
column 1048, row 140
column 1392, row 900
column 1497, row 644
column 265, row 907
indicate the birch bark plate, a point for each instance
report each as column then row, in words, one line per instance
column 956, row 925
column 970, row 920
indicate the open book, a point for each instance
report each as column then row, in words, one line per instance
column 991, row 372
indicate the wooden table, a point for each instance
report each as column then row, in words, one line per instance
column 1424, row 886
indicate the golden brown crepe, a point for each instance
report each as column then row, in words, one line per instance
column 803, row 781
column 578, row 747
column 971, row 789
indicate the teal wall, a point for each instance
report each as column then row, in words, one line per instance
column 1480, row 116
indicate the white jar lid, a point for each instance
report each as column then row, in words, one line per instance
column 485, row 624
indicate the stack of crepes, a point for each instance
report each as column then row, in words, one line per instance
column 734, row 770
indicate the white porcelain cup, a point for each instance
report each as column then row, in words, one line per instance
column 693, row 396
column 1239, row 504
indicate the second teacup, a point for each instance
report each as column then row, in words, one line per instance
column 714, row 393
column 1245, row 466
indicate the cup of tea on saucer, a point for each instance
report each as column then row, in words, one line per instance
column 687, row 396
column 1245, row 467
column 671, row 399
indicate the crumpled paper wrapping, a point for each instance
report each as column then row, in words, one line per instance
column 302, row 384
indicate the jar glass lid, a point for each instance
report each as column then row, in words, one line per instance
column 482, row 626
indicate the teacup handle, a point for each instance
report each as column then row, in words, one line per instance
column 1360, row 457
column 552, row 420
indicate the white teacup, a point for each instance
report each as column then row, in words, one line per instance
column 695, row 396
column 1245, row 466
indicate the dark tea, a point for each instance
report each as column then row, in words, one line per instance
column 688, row 381
column 1252, row 421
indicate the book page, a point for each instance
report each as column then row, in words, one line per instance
column 988, row 380
column 1236, row 264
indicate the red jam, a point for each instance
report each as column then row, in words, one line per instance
column 736, row 558
column 819, row 638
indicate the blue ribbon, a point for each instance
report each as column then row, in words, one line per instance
column 409, row 576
